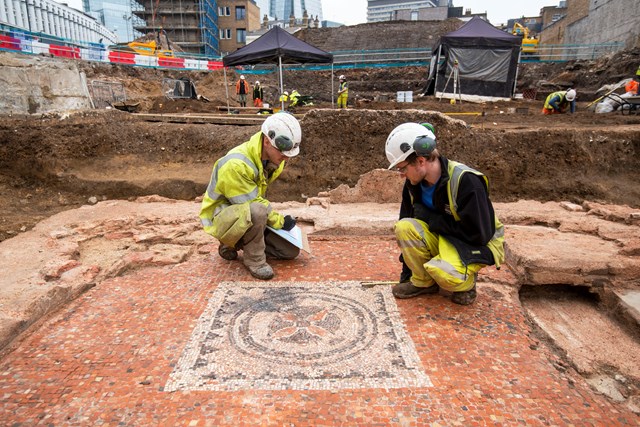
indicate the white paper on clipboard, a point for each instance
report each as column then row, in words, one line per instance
column 296, row 236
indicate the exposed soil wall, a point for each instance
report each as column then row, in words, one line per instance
column 118, row 155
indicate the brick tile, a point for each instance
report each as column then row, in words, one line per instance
column 105, row 358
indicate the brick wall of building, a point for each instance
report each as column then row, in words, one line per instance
column 250, row 22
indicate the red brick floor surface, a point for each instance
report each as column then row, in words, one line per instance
column 104, row 359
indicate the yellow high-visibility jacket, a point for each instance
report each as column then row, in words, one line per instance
column 446, row 195
column 237, row 180
column 456, row 170
column 343, row 89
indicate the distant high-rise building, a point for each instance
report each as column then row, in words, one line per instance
column 113, row 14
column 391, row 10
column 283, row 9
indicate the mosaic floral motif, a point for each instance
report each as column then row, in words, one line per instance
column 298, row 336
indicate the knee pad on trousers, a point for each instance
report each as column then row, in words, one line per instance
column 259, row 213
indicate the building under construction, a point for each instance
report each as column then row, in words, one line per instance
column 190, row 24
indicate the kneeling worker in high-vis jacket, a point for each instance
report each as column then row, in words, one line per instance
column 234, row 209
column 448, row 230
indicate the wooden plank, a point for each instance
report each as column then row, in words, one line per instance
column 226, row 119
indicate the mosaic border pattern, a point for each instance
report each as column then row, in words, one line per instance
column 298, row 336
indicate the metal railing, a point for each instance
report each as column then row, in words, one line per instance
column 569, row 52
column 105, row 94
column 37, row 43
column 382, row 56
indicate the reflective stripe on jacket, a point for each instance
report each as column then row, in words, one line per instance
column 557, row 98
column 474, row 224
column 344, row 86
column 456, row 170
column 238, row 178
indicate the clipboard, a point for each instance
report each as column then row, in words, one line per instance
column 296, row 236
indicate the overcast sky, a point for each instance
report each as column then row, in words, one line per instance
column 352, row 12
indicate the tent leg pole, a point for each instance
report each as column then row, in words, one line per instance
column 435, row 82
column 226, row 88
column 515, row 80
column 333, row 93
column 281, row 85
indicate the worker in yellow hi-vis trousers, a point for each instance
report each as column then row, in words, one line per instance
column 448, row 230
column 343, row 92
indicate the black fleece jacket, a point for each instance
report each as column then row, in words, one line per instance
column 477, row 217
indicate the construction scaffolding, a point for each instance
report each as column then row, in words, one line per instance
column 190, row 24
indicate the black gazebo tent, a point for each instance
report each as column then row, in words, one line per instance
column 487, row 61
column 278, row 46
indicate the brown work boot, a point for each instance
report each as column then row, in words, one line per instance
column 227, row 252
column 466, row 297
column 408, row 290
column 262, row 272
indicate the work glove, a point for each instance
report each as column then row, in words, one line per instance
column 422, row 213
column 289, row 222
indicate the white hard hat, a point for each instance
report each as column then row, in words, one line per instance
column 571, row 95
column 284, row 133
column 401, row 142
column 286, row 93
column 241, row 77
column 341, row 77
column 257, row 82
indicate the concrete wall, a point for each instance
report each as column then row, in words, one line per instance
column 424, row 14
column 607, row 21
column 32, row 84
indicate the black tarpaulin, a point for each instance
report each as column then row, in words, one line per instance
column 486, row 60
column 277, row 44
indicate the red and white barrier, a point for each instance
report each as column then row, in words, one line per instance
column 11, row 43
column 64, row 51
column 101, row 55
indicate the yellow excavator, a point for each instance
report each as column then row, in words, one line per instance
column 529, row 43
column 147, row 48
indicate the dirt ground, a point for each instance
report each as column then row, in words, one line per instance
column 56, row 162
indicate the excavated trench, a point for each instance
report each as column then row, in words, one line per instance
column 590, row 333
column 56, row 163
column 117, row 155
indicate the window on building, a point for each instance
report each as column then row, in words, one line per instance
column 556, row 16
column 224, row 11
column 241, row 13
column 241, row 35
column 414, row 15
column 225, row 33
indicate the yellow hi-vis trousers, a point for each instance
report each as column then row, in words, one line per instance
column 432, row 259
column 342, row 100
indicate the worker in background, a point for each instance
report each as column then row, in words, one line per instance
column 634, row 84
column 448, row 230
column 234, row 208
column 559, row 102
column 343, row 92
column 258, row 95
column 284, row 100
column 242, row 90
column 293, row 98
